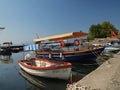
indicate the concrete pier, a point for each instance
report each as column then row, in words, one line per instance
column 105, row 77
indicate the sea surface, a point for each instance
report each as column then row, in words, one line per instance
column 12, row 77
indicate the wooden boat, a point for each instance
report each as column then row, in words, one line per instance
column 74, row 55
column 46, row 68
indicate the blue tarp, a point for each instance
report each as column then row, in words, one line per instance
column 31, row 47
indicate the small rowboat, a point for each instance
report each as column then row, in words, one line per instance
column 46, row 68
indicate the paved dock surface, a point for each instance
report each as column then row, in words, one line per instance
column 105, row 77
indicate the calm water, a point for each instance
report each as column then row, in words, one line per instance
column 13, row 78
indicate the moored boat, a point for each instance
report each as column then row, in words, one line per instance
column 72, row 56
column 46, row 68
column 111, row 49
column 64, row 50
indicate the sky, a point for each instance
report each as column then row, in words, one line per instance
column 24, row 20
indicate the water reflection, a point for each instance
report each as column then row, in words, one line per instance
column 11, row 79
column 38, row 83
column 84, row 68
column 6, row 59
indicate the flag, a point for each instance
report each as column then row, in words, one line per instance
column 113, row 34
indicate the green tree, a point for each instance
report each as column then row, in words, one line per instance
column 101, row 30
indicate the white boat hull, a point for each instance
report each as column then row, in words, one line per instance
column 61, row 73
column 111, row 48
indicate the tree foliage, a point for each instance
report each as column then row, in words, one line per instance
column 101, row 30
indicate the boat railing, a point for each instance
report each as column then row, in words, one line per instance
column 56, row 47
column 67, row 47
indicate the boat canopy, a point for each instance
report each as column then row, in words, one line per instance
column 9, row 43
column 62, row 36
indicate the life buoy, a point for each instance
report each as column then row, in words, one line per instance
column 62, row 44
column 76, row 42
column 42, row 42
